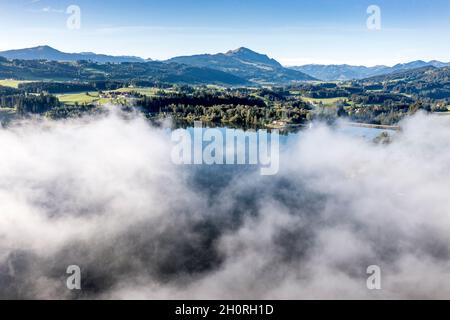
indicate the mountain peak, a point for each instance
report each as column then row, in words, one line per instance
column 250, row 55
column 43, row 48
column 247, row 64
column 241, row 50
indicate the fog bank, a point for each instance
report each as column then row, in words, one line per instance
column 103, row 194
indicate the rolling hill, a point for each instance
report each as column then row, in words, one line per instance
column 92, row 71
column 428, row 81
column 426, row 73
column 235, row 67
column 348, row 72
column 49, row 53
column 339, row 72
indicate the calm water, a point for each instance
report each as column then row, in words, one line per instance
column 213, row 178
column 289, row 137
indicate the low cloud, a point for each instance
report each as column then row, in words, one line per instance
column 103, row 194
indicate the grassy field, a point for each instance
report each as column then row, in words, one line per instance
column 144, row 91
column 93, row 97
column 330, row 102
column 12, row 83
column 84, row 97
column 87, row 98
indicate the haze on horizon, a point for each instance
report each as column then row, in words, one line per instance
column 293, row 32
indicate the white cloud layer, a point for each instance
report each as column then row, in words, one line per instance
column 104, row 195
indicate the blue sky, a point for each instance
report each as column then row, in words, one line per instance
column 294, row 32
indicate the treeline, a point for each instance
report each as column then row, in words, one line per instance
column 380, row 98
column 7, row 91
column 161, row 103
column 237, row 106
column 73, row 111
column 372, row 114
column 384, row 114
column 70, row 87
column 55, row 87
column 26, row 103
column 429, row 90
column 427, row 82
column 361, row 102
column 326, row 90
column 248, row 116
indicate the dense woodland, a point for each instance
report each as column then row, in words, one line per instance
column 29, row 104
column 81, row 71
column 379, row 100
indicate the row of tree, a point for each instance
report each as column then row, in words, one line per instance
column 27, row 103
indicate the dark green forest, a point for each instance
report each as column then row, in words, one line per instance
column 381, row 100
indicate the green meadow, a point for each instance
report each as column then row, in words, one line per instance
column 80, row 98
column 146, row 91
column 12, row 83
column 327, row 102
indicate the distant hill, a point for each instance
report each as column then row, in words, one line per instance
column 92, row 71
column 429, row 81
column 348, row 72
column 247, row 64
column 49, row 53
column 235, row 67
column 425, row 73
column 339, row 72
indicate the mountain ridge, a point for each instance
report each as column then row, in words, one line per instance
column 349, row 72
column 247, row 64
column 242, row 62
column 428, row 81
column 150, row 71
column 46, row 52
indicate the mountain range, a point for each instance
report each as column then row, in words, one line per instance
column 150, row 71
column 427, row 75
column 233, row 67
column 429, row 81
column 247, row 64
column 49, row 53
column 348, row 72
column 243, row 63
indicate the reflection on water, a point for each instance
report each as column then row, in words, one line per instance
column 212, row 179
column 288, row 136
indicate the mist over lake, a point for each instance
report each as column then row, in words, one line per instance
column 102, row 193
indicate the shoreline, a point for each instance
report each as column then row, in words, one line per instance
column 373, row 126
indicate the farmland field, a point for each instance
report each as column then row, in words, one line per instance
column 11, row 83
column 147, row 91
column 327, row 102
column 91, row 98
column 84, row 97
